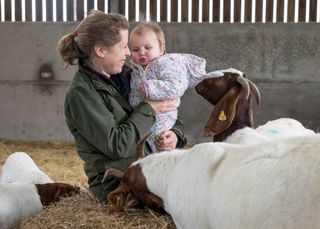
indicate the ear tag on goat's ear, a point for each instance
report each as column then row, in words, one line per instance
column 222, row 116
column 118, row 199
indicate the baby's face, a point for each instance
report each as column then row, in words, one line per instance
column 145, row 47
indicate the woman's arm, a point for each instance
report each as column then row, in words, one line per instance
column 178, row 129
column 107, row 127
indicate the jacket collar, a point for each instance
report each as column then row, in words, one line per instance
column 102, row 83
column 86, row 67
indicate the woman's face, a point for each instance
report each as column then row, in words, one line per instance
column 111, row 60
column 145, row 47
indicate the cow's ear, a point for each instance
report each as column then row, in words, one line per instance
column 223, row 113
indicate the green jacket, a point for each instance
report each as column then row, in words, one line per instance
column 105, row 128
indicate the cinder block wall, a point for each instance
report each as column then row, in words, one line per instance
column 282, row 59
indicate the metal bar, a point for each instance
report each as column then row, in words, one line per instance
column 253, row 11
column 210, row 11
column 221, row 11
column 296, row 11
column 179, row 10
column 264, row 11
column 243, row 6
column 307, row 11
column 168, row 10
column 137, row 10
column 147, row 10
column 33, row 7
column 106, row 7
column 274, row 13
column 126, row 9
column 285, row 11
column 232, row 11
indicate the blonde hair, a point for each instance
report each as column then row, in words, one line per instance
column 97, row 28
column 150, row 26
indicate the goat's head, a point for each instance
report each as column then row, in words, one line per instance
column 52, row 192
column 225, row 93
column 132, row 191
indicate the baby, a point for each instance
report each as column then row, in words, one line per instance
column 160, row 76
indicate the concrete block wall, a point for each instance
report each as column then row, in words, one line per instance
column 282, row 59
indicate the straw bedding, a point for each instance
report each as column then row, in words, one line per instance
column 60, row 161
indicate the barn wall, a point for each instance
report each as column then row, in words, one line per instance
column 282, row 59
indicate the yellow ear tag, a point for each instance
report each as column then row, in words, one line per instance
column 118, row 200
column 222, row 116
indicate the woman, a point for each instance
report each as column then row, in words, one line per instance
column 105, row 128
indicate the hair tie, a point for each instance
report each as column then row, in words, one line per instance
column 74, row 34
column 75, row 45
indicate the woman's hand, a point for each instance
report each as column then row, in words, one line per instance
column 167, row 141
column 161, row 106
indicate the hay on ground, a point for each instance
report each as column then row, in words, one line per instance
column 61, row 162
column 83, row 211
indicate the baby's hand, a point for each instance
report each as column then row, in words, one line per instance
column 166, row 141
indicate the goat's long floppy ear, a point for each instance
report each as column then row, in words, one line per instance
column 223, row 113
column 131, row 201
column 117, row 198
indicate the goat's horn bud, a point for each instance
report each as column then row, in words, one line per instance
column 140, row 150
column 244, row 83
column 255, row 91
column 112, row 172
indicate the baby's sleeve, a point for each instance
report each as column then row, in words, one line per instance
column 166, row 79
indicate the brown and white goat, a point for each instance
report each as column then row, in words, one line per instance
column 231, row 97
column 19, row 200
column 19, row 167
column 212, row 185
column 272, row 130
column 25, row 189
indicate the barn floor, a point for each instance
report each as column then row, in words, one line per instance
column 61, row 162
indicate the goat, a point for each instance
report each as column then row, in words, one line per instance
column 20, row 200
column 219, row 185
column 283, row 127
column 272, row 130
column 246, row 136
column 19, row 166
column 231, row 97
